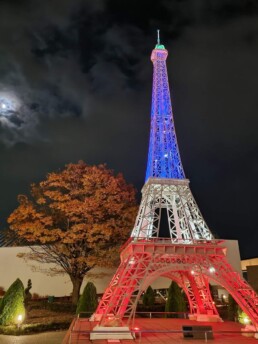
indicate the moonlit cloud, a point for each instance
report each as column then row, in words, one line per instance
column 9, row 103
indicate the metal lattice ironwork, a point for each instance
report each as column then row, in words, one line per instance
column 185, row 221
column 192, row 266
column 189, row 255
column 163, row 159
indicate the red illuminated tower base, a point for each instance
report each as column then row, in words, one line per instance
column 189, row 254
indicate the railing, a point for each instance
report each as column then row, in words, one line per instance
column 166, row 241
column 67, row 338
column 189, row 331
column 150, row 314
column 175, row 241
column 137, row 334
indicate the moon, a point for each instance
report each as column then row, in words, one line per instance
column 9, row 103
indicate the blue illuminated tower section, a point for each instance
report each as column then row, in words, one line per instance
column 163, row 159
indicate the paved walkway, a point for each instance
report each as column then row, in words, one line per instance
column 152, row 326
column 41, row 338
column 145, row 338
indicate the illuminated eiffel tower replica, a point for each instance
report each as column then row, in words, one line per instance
column 190, row 256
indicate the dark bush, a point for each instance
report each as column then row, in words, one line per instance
column 144, row 311
column 2, row 291
column 62, row 307
column 232, row 309
column 27, row 294
column 34, row 328
column 148, row 297
column 88, row 301
column 176, row 299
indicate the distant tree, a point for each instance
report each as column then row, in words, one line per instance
column 176, row 300
column 27, row 293
column 148, row 297
column 35, row 296
column 29, row 286
column 88, row 301
column 12, row 304
column 232, row 308
column 214, row 292
column 79, row 217
column 2, row 291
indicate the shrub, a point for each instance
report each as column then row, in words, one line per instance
column 27, row 294
column 12, row 304
column 176, row 300
column 88, row 301
column 148, row 297
column 232, row 309
column 243, row 318
column 2, row 291
column 35, row 296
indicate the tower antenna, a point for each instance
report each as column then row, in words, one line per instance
column 158, row 39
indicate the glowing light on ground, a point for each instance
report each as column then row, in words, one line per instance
column 246, row 320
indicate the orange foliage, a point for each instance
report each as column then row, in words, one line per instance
column 81, row 215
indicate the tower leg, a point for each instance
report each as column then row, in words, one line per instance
column 181, row 279
column 117, row 298
column 241, row 291
column 198, row 294
column 206, row 309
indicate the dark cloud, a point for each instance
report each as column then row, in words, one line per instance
column 81, row 71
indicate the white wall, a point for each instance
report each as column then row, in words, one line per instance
column 12, row 267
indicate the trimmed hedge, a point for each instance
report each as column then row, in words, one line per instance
column 176, row 300
column 88, row 301
column 33, row 328
column 12, row 304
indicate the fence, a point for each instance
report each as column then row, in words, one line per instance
column 74, row 337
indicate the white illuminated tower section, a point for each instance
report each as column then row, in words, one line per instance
column 188, row 253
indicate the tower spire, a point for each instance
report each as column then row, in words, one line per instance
column 158, row 39
column 163, row 159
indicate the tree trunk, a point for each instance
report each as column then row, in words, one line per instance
column 77, row 282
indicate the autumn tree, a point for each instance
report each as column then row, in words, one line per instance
column 77, row 219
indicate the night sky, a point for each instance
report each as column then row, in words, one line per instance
column 75, row 84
